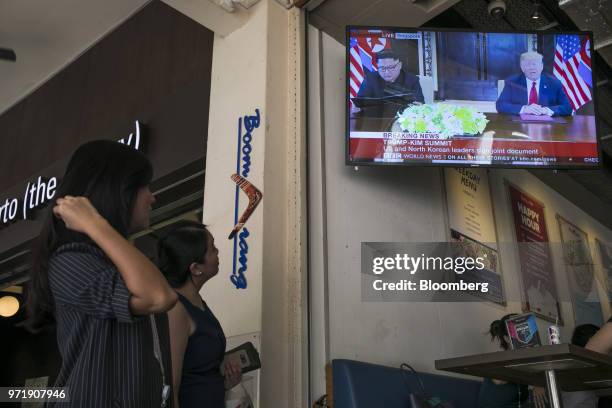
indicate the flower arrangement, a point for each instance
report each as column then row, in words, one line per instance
column 443, row 119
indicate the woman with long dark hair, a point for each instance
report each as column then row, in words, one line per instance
column 96, row 286
column 188, row 258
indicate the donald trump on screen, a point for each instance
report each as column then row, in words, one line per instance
column 532, row 92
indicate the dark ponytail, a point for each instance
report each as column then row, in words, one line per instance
column 499, row 332
column 176, row 251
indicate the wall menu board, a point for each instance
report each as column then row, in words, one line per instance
column 472, row 224
column 605, row 255
column 580, row 273
column 539, row 285
column 469, row 204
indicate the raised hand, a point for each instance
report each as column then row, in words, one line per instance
column 77, row 213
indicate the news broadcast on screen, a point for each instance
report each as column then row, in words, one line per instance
column 464, row 98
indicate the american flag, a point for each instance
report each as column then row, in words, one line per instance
column 361, row 52
column 572, row 67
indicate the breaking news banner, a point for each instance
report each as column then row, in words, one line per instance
column 402, row 148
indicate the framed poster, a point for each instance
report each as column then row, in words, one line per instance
column 468, row 199
column 605, row 256
column 580, row 273
column 538, row 279
column 472, row 225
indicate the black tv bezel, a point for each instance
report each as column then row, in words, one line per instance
column 348, row 162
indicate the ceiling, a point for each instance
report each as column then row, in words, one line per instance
column 593, row 15
column 331, row 16
column 47, row 36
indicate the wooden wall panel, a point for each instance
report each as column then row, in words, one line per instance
column 155, row 56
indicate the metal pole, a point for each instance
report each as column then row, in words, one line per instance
column 553, row 391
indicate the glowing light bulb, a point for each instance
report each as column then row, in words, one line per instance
column 9, row 305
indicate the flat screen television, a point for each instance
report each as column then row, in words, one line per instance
column 469, row 98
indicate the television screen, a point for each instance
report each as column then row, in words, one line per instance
column 463, row 98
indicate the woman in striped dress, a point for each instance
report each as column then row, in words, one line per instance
column 95, row 286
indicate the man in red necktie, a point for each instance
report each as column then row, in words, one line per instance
column 532, row 92
column 533, row 95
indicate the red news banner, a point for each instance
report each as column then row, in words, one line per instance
column 471, row 149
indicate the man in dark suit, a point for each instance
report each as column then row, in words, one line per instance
column 390, row 87
column 533, row 93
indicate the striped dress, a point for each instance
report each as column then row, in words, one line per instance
column 107, row 353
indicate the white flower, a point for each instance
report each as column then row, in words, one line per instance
column 442, row 119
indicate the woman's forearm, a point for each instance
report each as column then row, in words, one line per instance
column 602, row 340
column 150, row 291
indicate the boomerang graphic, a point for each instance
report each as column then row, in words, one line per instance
column 254, row 198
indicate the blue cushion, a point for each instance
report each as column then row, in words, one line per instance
column 363, row 385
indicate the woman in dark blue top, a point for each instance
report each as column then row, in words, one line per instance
column 188, row 258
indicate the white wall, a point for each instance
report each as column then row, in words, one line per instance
column 211, row 15
column 397, row 204
column 238, row 310
column 236, row 91
column 251, row 70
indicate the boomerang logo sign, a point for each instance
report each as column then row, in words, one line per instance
column 246, row 126
column 254, row 196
